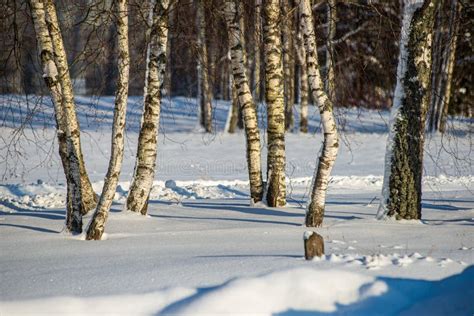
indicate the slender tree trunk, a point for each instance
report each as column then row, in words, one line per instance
column 454, row 17
column 56, row 76
column 303, row 79
column 330, row 78
column 315, row 212
column 50, row 75
column 437, row 68
column 245, row 99
column 96, row 228
column 169, row 72
column 88, row 197
column 234, row 118
column 256, row 52
column 142, row 182
column 274, row 89
column 401, row 193
column 240, row 117
column 205, row 96
column 288, row 63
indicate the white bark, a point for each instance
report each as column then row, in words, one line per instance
column 96, row 228
column 256, row 51
column 137, row 200
column 330, row 78
column 303, row 79
column 245, row 99
column 315, row 212
column 274, row 95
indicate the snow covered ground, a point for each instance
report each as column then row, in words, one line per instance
column 204, row 250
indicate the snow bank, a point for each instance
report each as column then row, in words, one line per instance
column 42, row 195
column 298, row 290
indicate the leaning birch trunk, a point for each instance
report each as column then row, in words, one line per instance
column 245, row 99
column 50, row 74
column 315, row 212
column 288, row 63
column 451, row 59
column 256, row 52
column 137, row 200
column 303, row 79
column 274, row 88
column 205, row 97
column 401, row 192
column 87, row 199
column 96, row 228
column 330, row 78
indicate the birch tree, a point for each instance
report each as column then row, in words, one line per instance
column 256, row 51
column 315, row 211
column 80, row 196
column 274, row 89
column 137, row 200
column 87, row 199
column 303, row 79
column 444, row 53
column 96, row 227
column 288, row 62
column 401, row 192
column 246, row 101
column 204, row 89
column 331, row 33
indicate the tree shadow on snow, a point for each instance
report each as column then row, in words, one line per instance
column 226, row 219
column 38, row 229
column 444, row 207
column 53, row 215
column 253, row 256
column 242, row 208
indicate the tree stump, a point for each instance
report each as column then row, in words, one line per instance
column 313, row 245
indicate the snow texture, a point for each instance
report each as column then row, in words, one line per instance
column 203, row 248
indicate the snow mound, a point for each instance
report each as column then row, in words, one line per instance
column 296, row 289
column 41, row 195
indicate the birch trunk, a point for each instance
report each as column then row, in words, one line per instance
column 56, row 76
column 401, row 193
column 96, row 228
column 234, row 118
column 88, row 198
column 330, row 79
column 205, row 96
column 303, row 79
column 288, row 63
column 315, row 212
column 274, row 89
column 437, row 69
column 454, row 18
column 245, row 99
column 50, row 74
column 137, row 200
column 256, row 52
